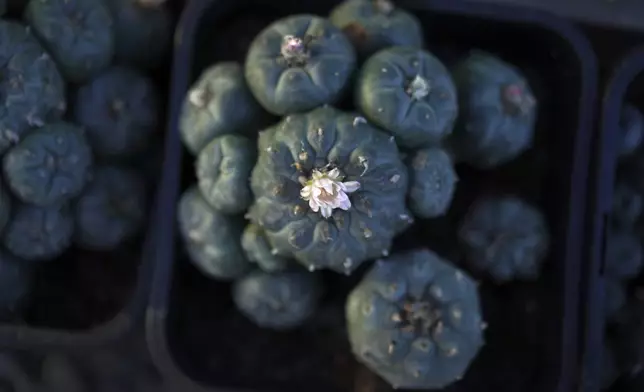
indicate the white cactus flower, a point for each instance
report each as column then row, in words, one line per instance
column 325, row 191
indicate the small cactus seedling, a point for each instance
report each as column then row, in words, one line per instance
column 259, row 251
column 111, row 210
column 5, row 206
column 223, row 169
column 219, row 103
column 329, row 190
column 32, row 90
column 50, row 166
column 409, row 93
column 120, row 110
column 299, row 63
column 15, row 282
column 142, row 31
column 505, row 237
column 372, row 25
column 631, row 128
column 211, row 238
column 281, row 300
column 498, row 111
column 415, row 320
column 614, row 297
column 432, row 182
column 624, row 255
column 39, row 233
column 628, row 205
column 78, row 33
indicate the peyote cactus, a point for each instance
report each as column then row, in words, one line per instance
column 372, row 25
column 120, row 110
column 211, row 238
column 614, row 297
column 15, row 282
column 298, row 63
column 624, row 255
column 111, row 210
column 39, row 233
column 77, row 33
column 409, row 93
column 50, row 166
column 223, row 170
column 628, row 205
column 415, row 320
column 219, row 103
column 631, row 129
column 258, row 250
column 330, row 189
column 5, row 206
column 432, row 181
column 498, row 111
column 32, row 90
column 142, row 31
column 281, row 300
column 506, row 237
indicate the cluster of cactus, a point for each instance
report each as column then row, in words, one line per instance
column 78, row 113
column 288, row 184
column 623, row 257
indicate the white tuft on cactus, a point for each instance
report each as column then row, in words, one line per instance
column 294, row 50
column 418, row 88
column 198, row 97
column 325, row 191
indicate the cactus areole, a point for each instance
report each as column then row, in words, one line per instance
column 295, row 50
column 517, row 100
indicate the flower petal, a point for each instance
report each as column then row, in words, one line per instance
column 327, row 211
column 334, row 174
column 315, row 207
column 351, row 186
column 316, row 175
column 343, row 202
column 325, row 184
column 305, row 193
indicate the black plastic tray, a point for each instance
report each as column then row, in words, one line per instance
column 563, row 71
column 626, row 83
column 623, row 14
